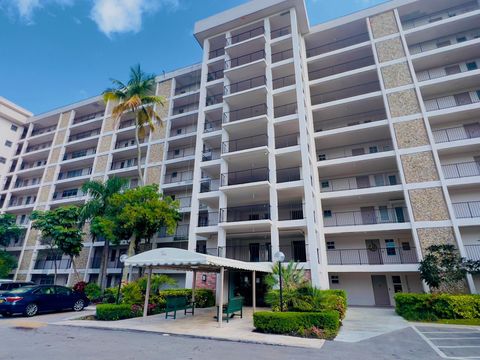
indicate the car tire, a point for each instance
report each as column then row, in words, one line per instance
column 31, row 310
column 79, row 305
column 6, row 314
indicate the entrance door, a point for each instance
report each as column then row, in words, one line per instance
column 472, row 130
column 380, row 290
column 254, row 252
column 368, row 215
column 299, row 252
column 240, row 284
column 400, row 215
column 373, row 251
column 363, row 182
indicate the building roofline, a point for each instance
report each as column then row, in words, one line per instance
column 178, row 72
column 5, row 103
column 65, row 108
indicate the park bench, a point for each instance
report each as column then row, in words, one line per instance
column 234, row 305
column 175, row 303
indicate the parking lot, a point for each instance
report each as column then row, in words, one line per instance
column 452, row 342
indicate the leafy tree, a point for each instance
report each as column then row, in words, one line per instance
column 9, row 230
column 61, row 228
column 8, row 262
column 443, row 268
column 138, row 97
column 95, row 211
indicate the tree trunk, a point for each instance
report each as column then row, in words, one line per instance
column 102, row 275
column 54, row 256
column 130, row 253
column 75, row 271
column 139, row 156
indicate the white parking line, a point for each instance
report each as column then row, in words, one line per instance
column 431, row 344
column 459, row 338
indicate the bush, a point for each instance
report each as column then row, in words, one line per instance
column 307, row 324
column 203, row 297
column 132, row 293
column 109, row 295
column 79, row 286
column 431, row 307
column 110, row 312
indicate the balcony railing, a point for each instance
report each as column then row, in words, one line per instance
column 257, row 252
column 245, row 85
column 351, row 120
column 347, row 92
column 244, row 59
column 383, row 256
column 355, row 150
column 84, row 135
column 187, row 88
column 285, row 110
column 288, row 174
column 282, row 55
column 213, row 99
column 244, row 143
column 49, row 129
column 180, row 153
column 189, row 129
column 366, row 217
column 115, row 264
column 468, row 131
column 445, row 102
column 178, row 177
column 126, row 124
column 67, row 194
column 88, row 117
column 211, row 154
column 245, row 213
column 338, row 44
column 473, row 252
column 290, row 212
column 284, row 81
column 444, row 41
column 125, row 164
column 74, row 173
column 79, row 154
column 439, row 15
column 245, row 176
column 285, row 141
column 467, row 209
column 212, row 125
column 206, row 218
column 245, row 113
column 446, row 70
column 461, row 170
column 215, row 75
column 62, row 264
column 177, row 110
column 286, row 30
column 42, row 146
column 359, row 182
column 216, row 53
column 341, row 67
column 19, row 183
column 208, row 185
column 246, row 35
column 181, row 232
column 34, row 165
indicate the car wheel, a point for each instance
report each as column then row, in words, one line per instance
column 31, row 310
column 79, row 305
column 6, row 314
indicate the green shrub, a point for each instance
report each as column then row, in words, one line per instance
column 110, row 295
column 110, row 312
column 431, row 307
column 93, row 291
column 132, row 293
column 318, row 324
column 203, row 297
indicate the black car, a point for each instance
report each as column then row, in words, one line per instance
column 30, row 300
column 9, row 286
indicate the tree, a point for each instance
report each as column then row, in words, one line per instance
column 61, row 229
column 138, row 97
column 9, row 230
column 8, row 262
column 95, row 210
column 444, row 268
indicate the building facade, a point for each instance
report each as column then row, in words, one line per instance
column 350, row 146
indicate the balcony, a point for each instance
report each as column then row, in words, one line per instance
column 347, row 92
column 444, row 41
column 74, row 173
column 447, row 70
column 341, row 67
column 182, row 109
column 245, row 113
column 84, row 135
column 212, row 54
column 88, row 117
column 245, row 176
column 33, row 165
column 211, row 154
column 285, row 110
column 465, row 132
column 111, row 264
column 355, row 150
column 47, row 130
column 79, row 154
column 283, row 31
column 20, row 183
column 209, row 185
column 459, row 99
column 288, row 174
column 181, row 232
column 244, row 85
column 258, row 252
column 467, row 209
column 461, row 170
column 184, row 130
column 338, row 44
column 207, row 218
column 374, row 256
column 351, row 120
column 195, row 86
column 244, row 59
column 366, row 216
column 212, row 125
column 290, row 212
column 42, row 146
column 22, row 201
column 288, row 140
column 284, row 81
column 125, row 164
column 359, row 182
column 245, row 143
column 215, row 75
column 214, row 99
column 47, row 264
column 245, row 213
column 180, row 153
column 121, row 144
column 67, row 194
column 178, row 176
column 282, row 55
column 246, row 35
column 472, row 252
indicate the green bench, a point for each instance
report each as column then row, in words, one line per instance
column 175, row 303
column 234, row 305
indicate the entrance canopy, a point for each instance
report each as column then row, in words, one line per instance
column 179, row 259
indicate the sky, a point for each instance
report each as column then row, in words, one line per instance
column 57, row 52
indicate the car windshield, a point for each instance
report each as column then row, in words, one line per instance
column 22, row 290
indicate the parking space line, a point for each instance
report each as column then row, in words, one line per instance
column 431, row 344
column 458, row 346
column 459, row 338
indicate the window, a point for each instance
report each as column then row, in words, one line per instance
column 14, row 127
column 373, row 149
column 176, row 152
column 8, row 143
column 322, row 157
column 406, row 246
column 392, row 179
column 63, row 290
column 472, row 66
column 174, row 174
column 397, row 284
column 327, row 213
column 383, row 213
column 330, row 245
column 113, row 255
column 2, row 160
column 325, row 184
column 179, row 131
column 334, row 279
column 461, row 39
column 390, row 245
column 47, row 290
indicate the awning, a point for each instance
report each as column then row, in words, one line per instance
column 179, row 259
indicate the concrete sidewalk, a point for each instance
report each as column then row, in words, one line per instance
column 202, row 325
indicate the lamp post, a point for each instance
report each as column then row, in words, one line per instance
column 122, row 260
column 280, row 257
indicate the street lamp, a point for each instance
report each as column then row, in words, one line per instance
column 280, row 257
column 122, row 260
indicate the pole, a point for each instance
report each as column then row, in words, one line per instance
column 147, row 294
column 194, row 286
column 280, row 282
column 119, row 284
column 220, row 307
column 254, row 291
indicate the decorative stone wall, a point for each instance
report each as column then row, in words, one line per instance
column 49, row 174
column 159, row 133
column 81, row 261
column 64, row 120
column 156, row 153
column 21, row 277
column 389, row 50
column 26, row 260
column 435, row 236
column 32, row 237
column 210, row 283
column 419, row 167
column 109, row 124
column 411, row 134
column 383, row 24
column 101, row 164
column 164, row 88
column 105, row 143
column 55, row 155
column 403, row 103
column 44, row 194
column 428, row 204
column 396, row 75
column 60, row 138
column 153, row 175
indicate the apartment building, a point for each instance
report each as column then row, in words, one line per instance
column 350, row 146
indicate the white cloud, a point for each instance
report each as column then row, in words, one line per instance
column 25, row 9
column 121, row 16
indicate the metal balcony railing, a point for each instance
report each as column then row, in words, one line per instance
column 216, row 53
column 111, row 264
column 295, row 251
column 178, row 177
column 460, row 99
column 338, row 44
column 213, row 99
column 208, row 185
column 189, row 129
column 245, row 113
column 67, row 194
column 125, row 164
column 282, row 55
column 62, row 264
column 467, row 209
column 288, row 140
column 187, row 88
column 88, row 117
column 461, row 170
column 383, row 256
column 285, row 110
column 291, row 212
column 212, row 125
column 245, row 176
column 246, row 35
column 473, row 252
column 215, row 75
column 211, row 154
column 366, row 217
column 341, row 67
column 180, row 153
column 351, row 120
column 182, row 109
column 284, row 81
column 355, row 150
column 359, row 182
column 444, row 41
column 79, row 154
column 126, row 124
column 47, row 130
column 38, row 147
column 245, row 143
column 446, row 70
column 286, row 30
column 244, row 59
column 206, row 218
column 288, row 174
column 27, row 166
column 181, row 232
column 244, row 85
column 84, row 135
column 347, row 92
column 245, row 213
column 74, row 173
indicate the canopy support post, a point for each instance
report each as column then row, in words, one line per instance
column 220, row 305
column 147, row 294
column 254, row 290
column 194, row 286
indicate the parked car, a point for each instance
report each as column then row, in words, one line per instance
column 10, row 285
column 30, row 300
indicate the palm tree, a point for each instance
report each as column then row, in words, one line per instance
column 137, row 96
column 95, row 209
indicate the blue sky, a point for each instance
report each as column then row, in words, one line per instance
column 56, row 52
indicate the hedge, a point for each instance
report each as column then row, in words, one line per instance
column 431, row 307
column 111, row 312
column 323, row 325
column 203, row 297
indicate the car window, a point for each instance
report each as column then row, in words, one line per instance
column 63, row 290
column 4, row 287
column 46, row 290
column 22, row 290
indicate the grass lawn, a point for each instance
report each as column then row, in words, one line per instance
column 475, row 322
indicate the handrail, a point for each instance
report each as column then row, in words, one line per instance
column 245, row 85
column 245, row 35
column 330, row 70
column 287, row 175
column 211, row 218
column 454, row 134
column 380, row 147
column 354, row 185
column 285, row 110
column 359, row 89
column 286, row 30
column 368, row 217
column 245, row 213
column 447, row 105
column 381, row 112
column 293, row 211
column 374, row 256
column 283, row 81
column 461, row 170
column 245, row 113
column 215, row 75
column 419, row 46
column 444, row 74
column 212, row 125
column 216, row 53
column 288, row 140
column 467, row 209
column 282, row 55
column 245, row 176
column 244, row 143
column 244, row 59
column 331, row 46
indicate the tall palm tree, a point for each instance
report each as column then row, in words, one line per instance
column 95, row 209
column 137, row 96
